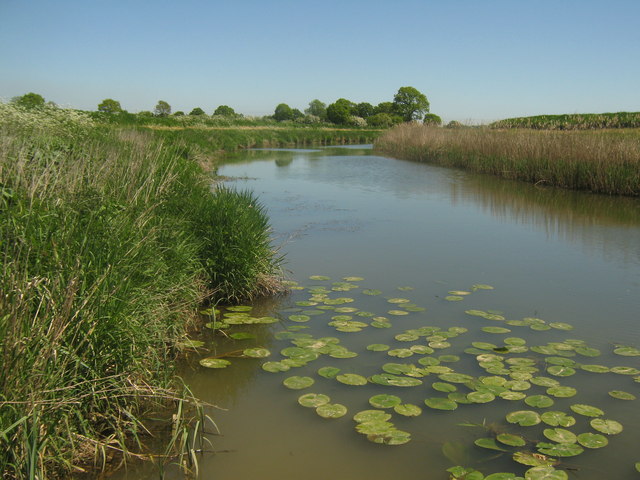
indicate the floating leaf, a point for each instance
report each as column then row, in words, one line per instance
column 319, row 278
column 378, row 347
column 627, row 351
column 313, row 400
column 392, row 437
column 397, row 312
column 495, row 330
column 256, row 352
column 560, row 435
column 560, row 371
column 299, row 318
column 353, row 279
column 384, row 401
column 560, row 449
column 524, row 418
column 439, row 403
column 481, row 286
column 562, row 392
column 371, row 416
column 374, row 427
column 557, row 419
column 625, row 370
column 586, row 410
column 328, row 372
column 394, row 380
column 275, row 367
column 371, row 292
column 545, row 473
column 444, row 387
column 331, row 410
column 610, row 427
column 592, row 440
column 511, row 439
column 298, row 383
column 351, row 379
column 538, row 401
column 489, row 443
column 533, row 459
column 501, row 476
column 455, row 377
column 480, row 397
column 407, row 410
column 595, row 368
column 212, row 362
column 509, row 395
column 242, row 336
column 619, row 394
column 588, row 351
column 453, row 298
column 449, row 358
column 398, row 300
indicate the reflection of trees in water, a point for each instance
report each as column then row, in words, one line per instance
column 606, row 225
column 222, row 387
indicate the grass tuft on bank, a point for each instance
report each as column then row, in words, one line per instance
column 599, row 161
column 109, row 241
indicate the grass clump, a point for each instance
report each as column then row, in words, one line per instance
column 575, row 121
column 109, row 241
column 596, row 161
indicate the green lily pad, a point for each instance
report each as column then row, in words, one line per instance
column 392, row 437
column 391, row 380
column 439, row 403
column 299, row 318
column 557, row 419
column 378, row 347
column 351, row 379
column 595, row 368
column 455, row 377
column 481, row 286
column 319, row 278
column 313, row 400
column 453, row 298
column 511, row 439
column 449, row 358
column 627, row 351
column 242, row 336
column 297, row 382
column 328, row 372
column 489, row 443
column 588, row 351
column 625, row 370
column 331, row 410
column 483, row 345
column 444, row 387
column 638, row 466
column 501, row 476
column 371, row 416
column 398, row 300
column 495, row 330
column 592, row 440
column 560, row 435
column 610, row 427
column 560, row 371
column 619, row 394
column 539, row 401
column 509, row 395
column 421, row 349
column 406, row 337
column 560, row 449
column 524, row 418
column 384, row 401
column 407, row 410
column 275, row 367
column 374, row 427
column 480, row 397
column 533, row 459
column 545, row 473
column 256, row 352
column 562, row 392
column 353, row 279
column 212, row 362
column 561, row 326
column 586, row 410
column 398, row 312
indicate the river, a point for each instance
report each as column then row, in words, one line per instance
column 478, row 258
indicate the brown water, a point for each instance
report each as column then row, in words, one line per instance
column 555, row 255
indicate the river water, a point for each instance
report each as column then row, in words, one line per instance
column 415, row 233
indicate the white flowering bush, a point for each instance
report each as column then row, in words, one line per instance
column 47, row 118
column 357, row 122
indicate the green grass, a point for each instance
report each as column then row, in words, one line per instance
column 110, row 239
column 576, row 121
column 597, row 161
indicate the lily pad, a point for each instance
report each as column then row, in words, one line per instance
column 480, row 397
column 511, row 439
column 524, row 418
column 370, row 291
column 319, row 278
column 378, row 347
column 545, row 473
column 328, row 372
column 627, row 351
column 392, row 437
column 453, row 298
column 560, row 371
column 455, row 377
column 592, row 440
column 256, row 352
column 560, row 449
column 407, row 410
column 533, row 459
column 297, row 382
column 384, row 401
column 620, row 395
column 371, row 416
column 275, row 367
column 489, row 443
column 610, row 427
column 509, row 395
column 562, row 392
column 313, row 400
column 586, row 410
column 539, row 401
column 395, row 380
column 557, row 419
column 212, row 362
column 495, row 330
column 242, row 336
column 398, row 312
column 439, row 403
column 331, row 410
column 560, row 435
column 398, row 300
column 351, row 379
column 625, row 370
column 595, row 368
column 444, row 387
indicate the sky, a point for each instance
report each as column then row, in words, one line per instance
column 476, row 61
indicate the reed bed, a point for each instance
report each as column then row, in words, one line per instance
column 605, row 162
column 575, row 121
column 109, row 241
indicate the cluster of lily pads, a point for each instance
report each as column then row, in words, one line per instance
column 516, row 371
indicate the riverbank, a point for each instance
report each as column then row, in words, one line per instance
column 598, row 161
column 111, row 239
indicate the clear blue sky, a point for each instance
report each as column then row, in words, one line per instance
column 475, row 60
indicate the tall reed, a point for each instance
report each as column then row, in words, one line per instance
column 596, row 161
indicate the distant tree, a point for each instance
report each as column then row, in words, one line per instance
column 365, row 110
column 162, row 109
column 317, row 108
column 197, row 111
column 341, row 111
column 179, row 113
column 454, row 124
column 283, row 112
column 296, row 114
column 109, row 105
column 410, row 104
column 384, row 107
column 225, row 111
column 145, row 113
column 432, row 119
column 380, row 120
column 29, row 100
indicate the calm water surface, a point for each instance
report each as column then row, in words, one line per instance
column 555, row 255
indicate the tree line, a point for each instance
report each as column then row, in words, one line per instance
column 409, row 104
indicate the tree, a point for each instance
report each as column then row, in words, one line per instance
column 29, row 100
column 432, row 119
column 109, row 105
column 197, row 111
column 162, row 109
column 283, row 112
column 341, row 111
column 317, row 108
column 295, row 114
column 383, row 120
column 365, row 110
column 384, row 107
column 410, row 104
column 224, row 111
column 179, row 113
